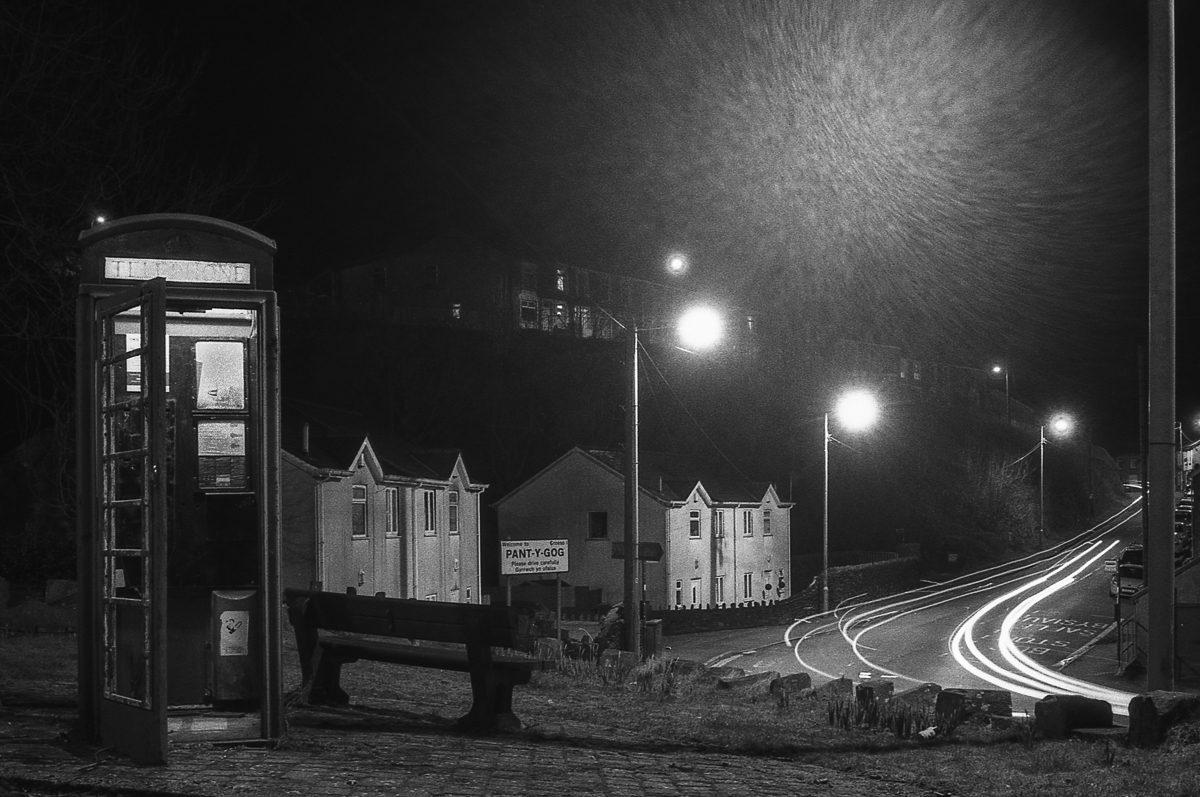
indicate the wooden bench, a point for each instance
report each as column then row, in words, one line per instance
column 333, row 629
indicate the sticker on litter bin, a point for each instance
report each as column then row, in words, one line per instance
column 235, row 633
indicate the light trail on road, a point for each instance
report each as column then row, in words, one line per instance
column 1022, row 585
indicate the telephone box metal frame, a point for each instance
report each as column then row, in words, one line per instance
column 154, row 263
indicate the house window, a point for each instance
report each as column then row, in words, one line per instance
column 694, row 524
column 452, row 512
column 430, row 512
column 767, row 522
column 718, row 523
column 597, row 525
column 583, row 322
column 748, row 523
column 432, row 596
column 553, row 316
column 678, row 593
column 456, row 311
column 747, row 586
column 392, row 509
column 719, row 590
column 529, row 312
column 560, row 280
column 358, row 510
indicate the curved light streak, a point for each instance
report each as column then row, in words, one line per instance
column 1026, row 677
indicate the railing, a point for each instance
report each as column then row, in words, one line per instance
column 1131, row 636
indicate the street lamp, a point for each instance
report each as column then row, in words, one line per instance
column 855, row 411
column 998, row 370
column 698, row 328
column 1060, row 425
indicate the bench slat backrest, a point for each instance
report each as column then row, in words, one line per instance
column 402, row 617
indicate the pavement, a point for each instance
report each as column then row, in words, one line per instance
column 367, row 751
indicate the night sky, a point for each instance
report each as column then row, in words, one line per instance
column 965, row 180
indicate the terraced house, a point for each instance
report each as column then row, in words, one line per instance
column 380, row 517
column 725, row 540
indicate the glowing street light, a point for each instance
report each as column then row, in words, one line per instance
column 676, row 263
column 698, row 328
column 1000, row 370
column 855, row 411
column 1060, row 425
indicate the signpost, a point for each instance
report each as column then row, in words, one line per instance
column 533, row 557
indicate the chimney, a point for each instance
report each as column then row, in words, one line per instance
column 304, row 439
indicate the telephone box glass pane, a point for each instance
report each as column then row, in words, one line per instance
column 220, row 375
column 128, row 670
column 125, row 523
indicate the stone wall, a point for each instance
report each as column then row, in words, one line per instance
column 870, row 580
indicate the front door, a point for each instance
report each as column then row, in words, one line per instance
column 131, row 491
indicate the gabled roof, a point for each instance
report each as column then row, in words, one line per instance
column 667, row 478
column 336, row 436
column 673, row 477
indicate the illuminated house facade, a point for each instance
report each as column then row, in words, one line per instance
column 725, row 541
column 380, row 518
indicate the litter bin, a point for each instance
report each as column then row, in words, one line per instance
column 652, row 639
column 235, row 671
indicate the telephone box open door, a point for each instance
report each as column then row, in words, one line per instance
column 130, row 483
column 179, row 546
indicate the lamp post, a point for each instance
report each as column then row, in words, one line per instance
column 856, row 410
column 1059, row 424
column 699, row 328
column 997, row 370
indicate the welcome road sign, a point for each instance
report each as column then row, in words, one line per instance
column 528, row 557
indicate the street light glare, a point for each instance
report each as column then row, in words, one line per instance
column 700, row 328
column 857, row 410
column 1061, row 424
column 676, row 263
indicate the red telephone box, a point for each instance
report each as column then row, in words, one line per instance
column 178, row 457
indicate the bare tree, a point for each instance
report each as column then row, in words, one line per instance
column 90, row 113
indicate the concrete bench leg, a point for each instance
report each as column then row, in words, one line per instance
column 491, row 706
column 325, row 687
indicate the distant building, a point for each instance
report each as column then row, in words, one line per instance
column 459, row 283
column 380, row 518
column 1129, row 469
column 725, row 541
column 968, row 388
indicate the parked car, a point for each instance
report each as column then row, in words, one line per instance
column 1131, row 574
